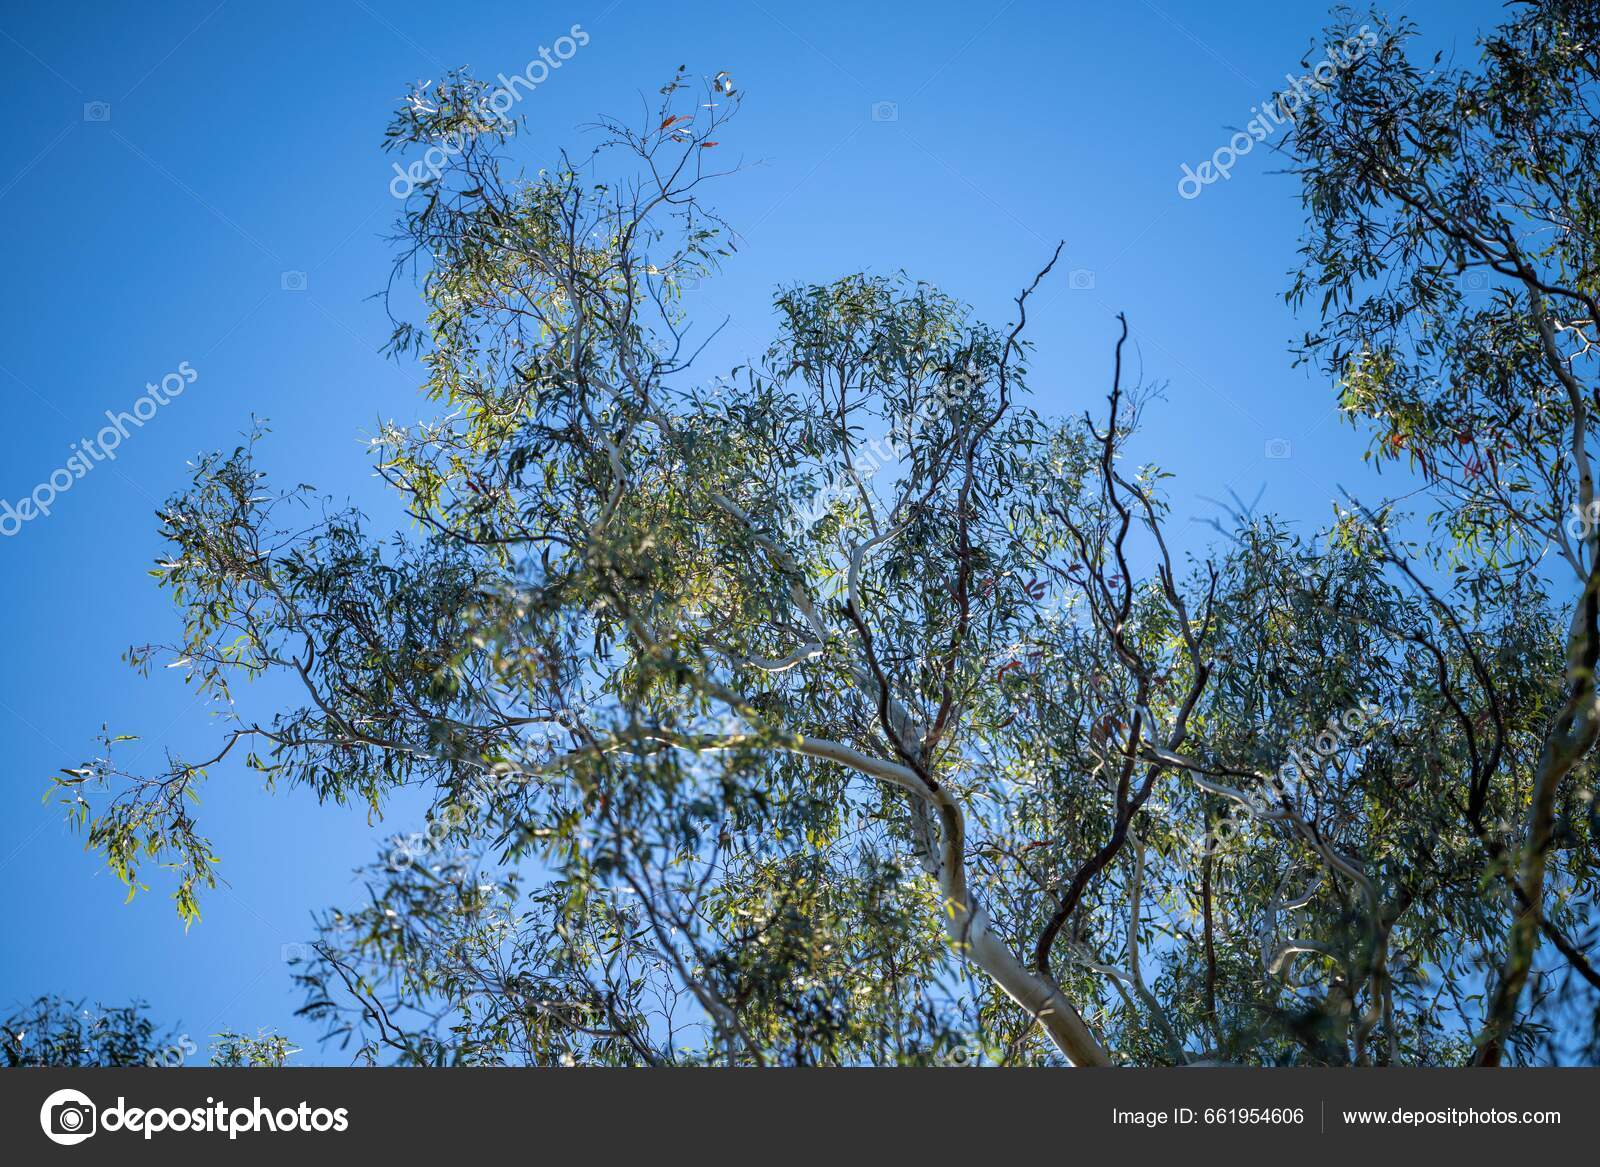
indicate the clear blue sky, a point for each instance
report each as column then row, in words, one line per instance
column 242, row 143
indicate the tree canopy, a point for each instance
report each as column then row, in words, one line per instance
column 844, row 708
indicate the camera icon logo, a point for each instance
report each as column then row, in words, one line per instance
column 1278, row 448
column 97, row 111
column 1081, row 280
column 68, row 1117
column 885, row 111
column 293, row 281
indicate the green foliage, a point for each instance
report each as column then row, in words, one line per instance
column 843, row 709
column 264, row 1051
column 52, row 1031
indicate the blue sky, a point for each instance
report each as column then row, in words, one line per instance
column 203, row 183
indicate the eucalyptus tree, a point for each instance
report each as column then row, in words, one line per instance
column 842, row 708
column 1453, row 242
column 53, row 1031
